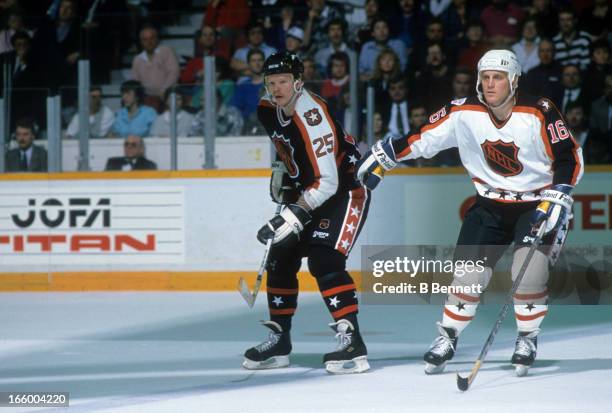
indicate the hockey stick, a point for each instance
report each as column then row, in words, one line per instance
column 463, row 383
column 243, row 287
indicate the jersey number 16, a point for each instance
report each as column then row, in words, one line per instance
column 561, row 131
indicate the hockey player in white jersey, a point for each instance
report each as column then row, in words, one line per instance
column 524, row 164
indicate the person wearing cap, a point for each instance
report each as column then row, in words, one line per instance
column 294, row 40
column 524, row 164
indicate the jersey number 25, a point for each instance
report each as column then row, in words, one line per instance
column 324, row 145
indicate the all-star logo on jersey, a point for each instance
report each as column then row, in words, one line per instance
column 285, row 153
column 502, row 157
column 545, row 104
column 313, row 117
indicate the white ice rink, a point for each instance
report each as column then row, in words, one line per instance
column 181, row 352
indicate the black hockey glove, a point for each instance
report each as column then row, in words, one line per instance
column 555, row 204
column 373, row 164
column 282, row 188
column 286, row 227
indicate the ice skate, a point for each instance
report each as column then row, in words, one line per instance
column 272, row 353
column 441, row 350
column 351, row 354
column 525, row 352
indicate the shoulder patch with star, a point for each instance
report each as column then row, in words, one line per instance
column 545, row 105
column 313, row 117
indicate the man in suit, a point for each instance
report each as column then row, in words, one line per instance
column 26, row 157
column 545, row 78
column 396, row 109
column 572, row 91
column 463, row 83
column 433, row 83
column 133, row 159
column 26, row 81
column 56, row 46
column 600, row 121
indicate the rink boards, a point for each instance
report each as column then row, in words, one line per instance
column 195, row 230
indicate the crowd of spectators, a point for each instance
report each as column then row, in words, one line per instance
column 417, row 55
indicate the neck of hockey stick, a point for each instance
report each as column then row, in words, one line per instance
column 464, row 383
column 243, row 288
column 515, row 285
column 264, row 260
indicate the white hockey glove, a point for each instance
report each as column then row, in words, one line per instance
column 373, row 164
column 555, row 204
column 285, row 228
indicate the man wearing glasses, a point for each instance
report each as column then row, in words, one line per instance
column 133, row 159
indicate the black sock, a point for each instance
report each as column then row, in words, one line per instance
column 340, row 296
column 282, row 300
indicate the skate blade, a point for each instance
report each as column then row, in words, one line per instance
column 357, row 365
column 433, row 369
column 521, row 370
column 276, row 362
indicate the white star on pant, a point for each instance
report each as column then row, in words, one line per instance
column 352, row 159
column 355, row 212
column 334, row 301
column 278, row 301
column 350, row 228
column 345, row 244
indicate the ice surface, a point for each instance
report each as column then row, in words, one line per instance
column 181, row 352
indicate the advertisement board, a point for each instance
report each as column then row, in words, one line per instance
column 96, row 225
column 197, row 222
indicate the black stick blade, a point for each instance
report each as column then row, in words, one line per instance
column 463, row 383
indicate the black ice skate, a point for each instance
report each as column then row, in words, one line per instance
column 441, row 350
column 525, row 351
column 271, row 354
column 351, row 354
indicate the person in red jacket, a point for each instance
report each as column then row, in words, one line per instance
column 229, row 18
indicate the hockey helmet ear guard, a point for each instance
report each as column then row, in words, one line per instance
column 298, row 85
column 503, row 61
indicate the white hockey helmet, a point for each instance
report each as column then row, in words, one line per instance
column 504, row 61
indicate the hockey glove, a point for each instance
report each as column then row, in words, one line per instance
column 285, row 228
column 282, row 188
column 555, row 204
column 373, row 164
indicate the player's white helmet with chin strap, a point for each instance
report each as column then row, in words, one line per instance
column 504, row 61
